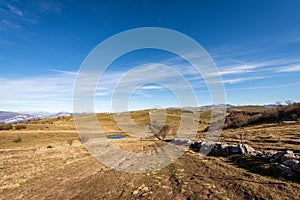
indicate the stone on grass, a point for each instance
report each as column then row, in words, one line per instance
column 181, row 142
column 277, row 156
column 257, row 154
column 224, row 147
column 248, row 149
column 296, row 168
column 284, row 169
column 293, row 164
column 195, row 146
column 288, row 156
column 269, row 153
column 236, row 149
column 205, row 146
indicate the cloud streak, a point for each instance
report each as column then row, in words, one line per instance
column 36, row 93
column 15, row 10
column 13, row 18
column 292, row 68
column 54, row 92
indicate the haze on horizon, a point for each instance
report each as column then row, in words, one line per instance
column 255, row 45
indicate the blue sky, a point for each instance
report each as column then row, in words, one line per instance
column 255, row 44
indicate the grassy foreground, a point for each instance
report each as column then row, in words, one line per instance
column 46, row 160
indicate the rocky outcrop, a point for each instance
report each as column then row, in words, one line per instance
column 287, row 162
column 222, row 148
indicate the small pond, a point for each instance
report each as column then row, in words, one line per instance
column 115, row 136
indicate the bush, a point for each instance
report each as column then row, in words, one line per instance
column 83, row 139
column 236, row 119
column 5, row 127
column 242, row 118
column 70, row 142
column 18, row 139
column 289, row 112
column 20, row 126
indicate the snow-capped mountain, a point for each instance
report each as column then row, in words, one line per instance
column 16, row 117
column 13, row 117
column 5, row 115
column 63, row 114
column 43, row 114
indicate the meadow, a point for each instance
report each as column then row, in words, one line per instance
column 45, row 159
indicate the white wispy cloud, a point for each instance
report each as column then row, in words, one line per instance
column 101, row 93
column 52, row 92
column 64, row 72
column 10, row 24
column 243, row 79
column 13, row 18
column 55, row 91
column 292, row 68
column 50, row 6
column 265, row 87
column 15, row 10
column 151, row 87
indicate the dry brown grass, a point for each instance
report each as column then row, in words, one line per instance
column 266, row 136
column 31, row 170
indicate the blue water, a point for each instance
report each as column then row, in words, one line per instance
column 115, row 136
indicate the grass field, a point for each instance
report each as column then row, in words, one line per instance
column 46, row 160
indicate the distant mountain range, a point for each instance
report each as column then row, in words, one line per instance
column 16, row 117
column 198, row 109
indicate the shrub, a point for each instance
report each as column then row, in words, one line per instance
column 20, row 126
column 5, row 127
column 289, row 112
column 18, row 139
column 242, row 118
column 236, row 119
column 70, row 142
column 83, row 139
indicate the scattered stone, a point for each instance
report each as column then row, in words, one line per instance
column 195, row 146
column 286, row 161
column 291, row 163
column 224, row 147
column 236, row 149
column 217, row 147
column 277, row 156
column 296, row 168
column 284, row 169
column 181, row 142
column 207, row 146
column 288, row 156
column 269, row 153
column 248, row 149
column 242, row 149
column 289, row 152
column 256, row 154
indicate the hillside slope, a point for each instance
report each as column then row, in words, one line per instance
column 49, row 162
